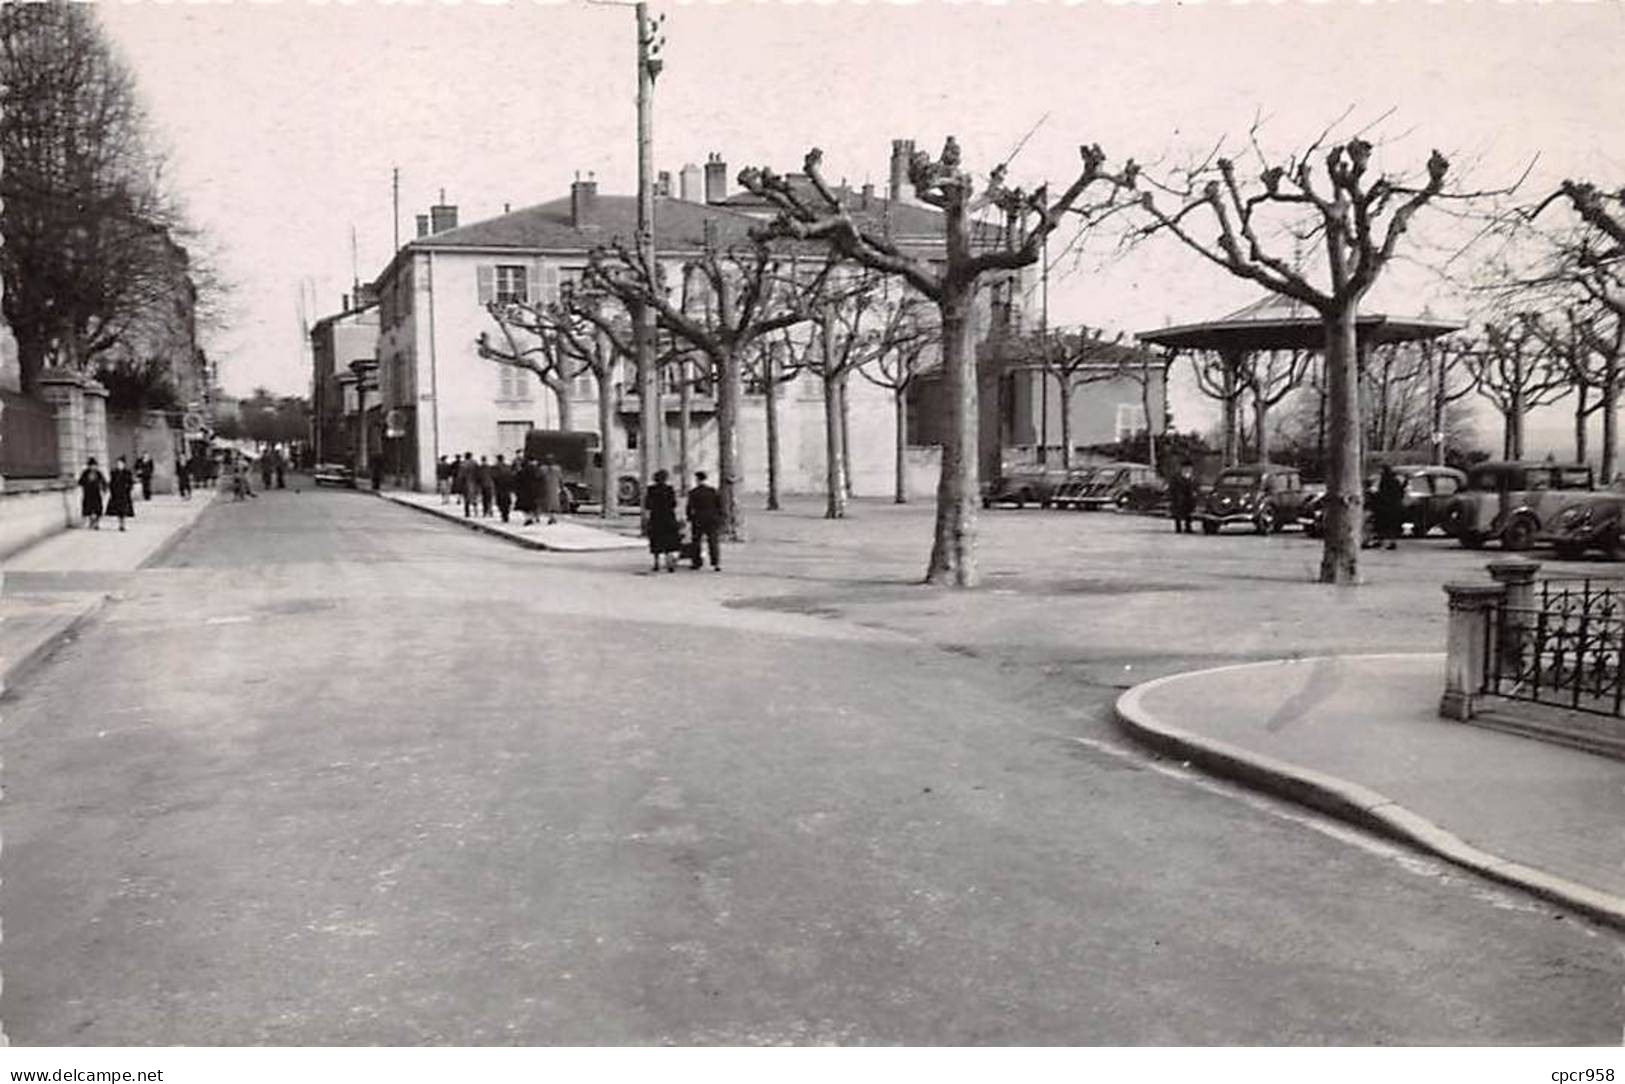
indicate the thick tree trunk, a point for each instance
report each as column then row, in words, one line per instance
column 1065, row 388
column 1320, row 422
column 770, row 406
column 730, row 389
column 1610, row 422
column 1515, row 426
column 834, row 454
column 1345, row 511
column 953, row 551
column 1582, row 415
column 900, row 405
column 1436, row 411
column 1261, row 420
column 608, row 444
column 1146, row 399
column 561, row 399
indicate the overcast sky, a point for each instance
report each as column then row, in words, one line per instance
column 284, row 120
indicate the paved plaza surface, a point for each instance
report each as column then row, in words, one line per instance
column 333, row 771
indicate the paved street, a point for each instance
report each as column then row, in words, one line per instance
column 335, row 772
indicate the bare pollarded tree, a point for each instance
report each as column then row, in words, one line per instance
column 1514, row 368
column 950, row 280
column 532, row 344
column 751, row 296
column 907, row 336
column 1335, row 196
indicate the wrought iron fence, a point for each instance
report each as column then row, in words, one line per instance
column 28, row 446
column 1566, row 650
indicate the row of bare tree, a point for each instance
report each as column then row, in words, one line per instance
column 807, row 265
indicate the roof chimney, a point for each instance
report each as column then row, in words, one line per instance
column 423, row 225
column 716, row 178
column 344, row 302
column 902, row 150
column 663, row 183
column 688, row 181
column 584, row 203
column 868, row 194
column 443, row 215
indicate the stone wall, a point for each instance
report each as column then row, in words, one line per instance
column 30, row 511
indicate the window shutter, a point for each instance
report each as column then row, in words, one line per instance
column 550, row 283
column 485, row 277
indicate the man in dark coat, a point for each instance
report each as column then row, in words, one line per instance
column 1388, row 507
column 143, row 472
column 467, row 479
column 488, row 490
column 183, row 478
column 502, row 481
column 1182, row 498
column 120, row 487
column 527, row 488
column 704, row 512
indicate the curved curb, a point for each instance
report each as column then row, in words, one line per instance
column 1349, row 801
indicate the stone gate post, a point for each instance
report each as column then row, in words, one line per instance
column 95, row 397
column 64, row 391
column 1472, row 609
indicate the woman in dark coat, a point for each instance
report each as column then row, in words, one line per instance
column 526, row 487
column 1389, row 506
column 91, row 483
column 120, row 487
column 665, row 534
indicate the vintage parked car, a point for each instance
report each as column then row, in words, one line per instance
column 1119, row 485
column 1027, row 485
column 1515, row 501
column 334, row 474
column 1593, row 522
column 1069, row 494
column 1266, row 497
column 1429, row 492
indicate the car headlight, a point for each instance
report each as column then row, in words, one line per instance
column 1575, row 517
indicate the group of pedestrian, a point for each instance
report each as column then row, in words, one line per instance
column 532, row 488
column 702, row 510
column 1387, row 504
column 119, row 487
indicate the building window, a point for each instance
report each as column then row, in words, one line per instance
column 511, row 437
column 1130, row 420
column 510, row 284
column 513, row 383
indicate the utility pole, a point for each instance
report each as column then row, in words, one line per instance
column 1043, row 340
column 395, row 192
column 651, row 414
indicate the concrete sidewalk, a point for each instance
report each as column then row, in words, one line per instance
column 569, row 535
column 53, row 586
column 1359, row 737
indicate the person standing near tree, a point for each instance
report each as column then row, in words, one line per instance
column 143, row 472
column 704, row 511
column 665, row 534
column 1182, row 498
column 1388, row 508
column 121, row 490
column 91, row 483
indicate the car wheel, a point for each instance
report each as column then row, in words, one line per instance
column 628, row 490
column 1022, row 498
column 1209, row 527
column 1264, row 522
column 1123, row 503
column 1044, row 504
column 1519, row 534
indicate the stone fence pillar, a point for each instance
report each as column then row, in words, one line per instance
column 95, row 397
column 64, row 391
column 1472, row 609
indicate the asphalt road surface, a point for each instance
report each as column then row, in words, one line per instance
column 335, row 772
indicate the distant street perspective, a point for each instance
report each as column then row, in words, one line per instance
column 611, row 524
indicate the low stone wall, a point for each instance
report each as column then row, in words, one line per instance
column 30, row 511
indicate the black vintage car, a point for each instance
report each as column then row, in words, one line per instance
column 1429, row 491
column 1022, row 486
column 1263, row 496
column 1593, row 522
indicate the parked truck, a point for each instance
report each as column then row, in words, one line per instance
column 581, row 461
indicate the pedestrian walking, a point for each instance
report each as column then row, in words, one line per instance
column 704, row 512
column 551, row 493
column 279, row 463
column 502, row 481
column 377, row 474
column 265, row 470
column 120, row 492
column 91, row 484
column 488, row 489
column 444, row 472
column 665, row 533
column 183, row 478
column 1182, row 498
column 1388, row 507
column 527, row 488
column 467, row 479
column 143, row 472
